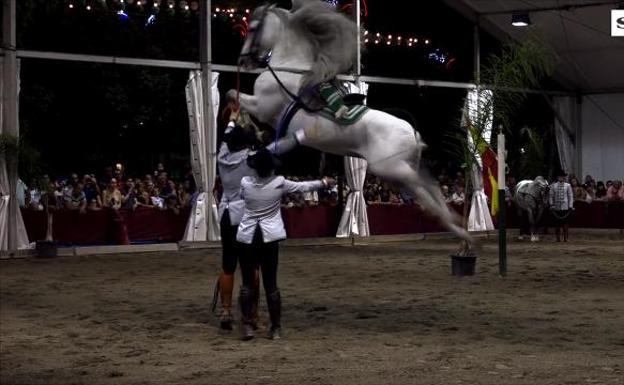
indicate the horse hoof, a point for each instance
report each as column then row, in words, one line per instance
column 534, row 239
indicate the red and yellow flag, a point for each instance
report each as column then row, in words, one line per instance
column 490, row 169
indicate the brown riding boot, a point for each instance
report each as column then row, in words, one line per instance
column 226, row 286
column 246, row 304
column 274, row 303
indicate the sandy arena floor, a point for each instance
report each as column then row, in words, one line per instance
column 376, row 314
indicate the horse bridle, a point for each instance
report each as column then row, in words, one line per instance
column 262, row 61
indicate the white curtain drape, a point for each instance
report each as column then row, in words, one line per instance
column 203, row 222
column 354, row 219
column 565, row 107
column 479, row 218
column 22, row 236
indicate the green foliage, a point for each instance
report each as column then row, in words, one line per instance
column 533, row 160
column 518, row 67
column 29, row 159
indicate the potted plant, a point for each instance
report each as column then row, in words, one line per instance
column 501, row 90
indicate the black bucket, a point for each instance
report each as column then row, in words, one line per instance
column 47, row 249
column 462, row 265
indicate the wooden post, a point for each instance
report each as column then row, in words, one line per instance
column 502, row 206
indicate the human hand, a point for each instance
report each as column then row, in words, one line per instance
column 329, row 182
column 234, row 113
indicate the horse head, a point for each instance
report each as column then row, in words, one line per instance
column 540, row 186
column 265, row 30
column 313, row 36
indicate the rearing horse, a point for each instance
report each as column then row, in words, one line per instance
column 311, row 45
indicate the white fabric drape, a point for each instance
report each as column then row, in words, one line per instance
column 203, row 223
column 479, row 218
column 565, row 107
column 354, row 219
column 22, row 236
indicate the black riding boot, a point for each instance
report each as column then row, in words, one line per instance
column 246, row 304
column 274, row 303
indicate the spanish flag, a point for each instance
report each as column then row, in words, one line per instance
column 490, row 169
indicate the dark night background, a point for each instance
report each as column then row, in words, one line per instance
column 83, row 117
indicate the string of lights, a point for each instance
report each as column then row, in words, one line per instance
column 238, row 17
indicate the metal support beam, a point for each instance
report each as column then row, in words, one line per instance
column 205, row 58
column 10, row 122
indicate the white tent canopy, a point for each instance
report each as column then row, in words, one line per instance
column 589, row 127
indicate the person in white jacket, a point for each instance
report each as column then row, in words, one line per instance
column 232, row 164
column 260, row 231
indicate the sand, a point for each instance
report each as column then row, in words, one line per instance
column 375, row 314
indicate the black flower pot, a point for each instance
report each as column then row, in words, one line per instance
column 462, row 265
column 47, row 249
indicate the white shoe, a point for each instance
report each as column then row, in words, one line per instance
column 521, row 237
column 534, row 238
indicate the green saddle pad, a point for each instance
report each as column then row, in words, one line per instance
column 352, row 116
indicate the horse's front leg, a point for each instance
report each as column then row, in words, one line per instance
column 532, row 226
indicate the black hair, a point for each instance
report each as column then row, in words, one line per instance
column 237, row 139
column 263, row 162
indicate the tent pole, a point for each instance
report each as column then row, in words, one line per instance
column 205, row 59
column 10, row 117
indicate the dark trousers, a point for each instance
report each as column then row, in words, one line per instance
column 231, row 249
column 263, row 255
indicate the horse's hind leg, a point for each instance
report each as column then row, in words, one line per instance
column 425, row 192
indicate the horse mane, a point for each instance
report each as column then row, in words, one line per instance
column 333, row 37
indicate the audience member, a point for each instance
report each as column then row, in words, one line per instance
column 76, row 200
column 111, row 197
column 615, row 192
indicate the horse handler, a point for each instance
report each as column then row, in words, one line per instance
column 232, row 162
column 260, row 231
column 561, row 205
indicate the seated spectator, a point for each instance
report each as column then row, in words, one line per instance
column 94, row 205
column 22, row 192
column 160, row 168
column 395, row 198
column 91, row 189
column 578, row 190
column 171, row 203
column 615, row 192
column 76, row 200
column 111, row 197
column 590, row 193
column 106, row 178
column 59, row 196
column 445, row 193
column 128, row 197
column 184, row 194
column 458, row 196
column 34, row 198
column 601, row 190
column 590, row 181
column 142, row 196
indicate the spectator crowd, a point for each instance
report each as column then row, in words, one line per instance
column 113, row 190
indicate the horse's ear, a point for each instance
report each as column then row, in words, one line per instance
column 296, row 4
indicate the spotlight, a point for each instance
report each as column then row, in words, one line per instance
column 520, row 20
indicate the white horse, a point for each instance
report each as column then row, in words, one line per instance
column 307, row 46
column 531, row 197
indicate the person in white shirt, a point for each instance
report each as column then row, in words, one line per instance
column 260, row 230
column 561, row 203
column 232, row 164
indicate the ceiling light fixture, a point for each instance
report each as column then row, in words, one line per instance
column 520, row 20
